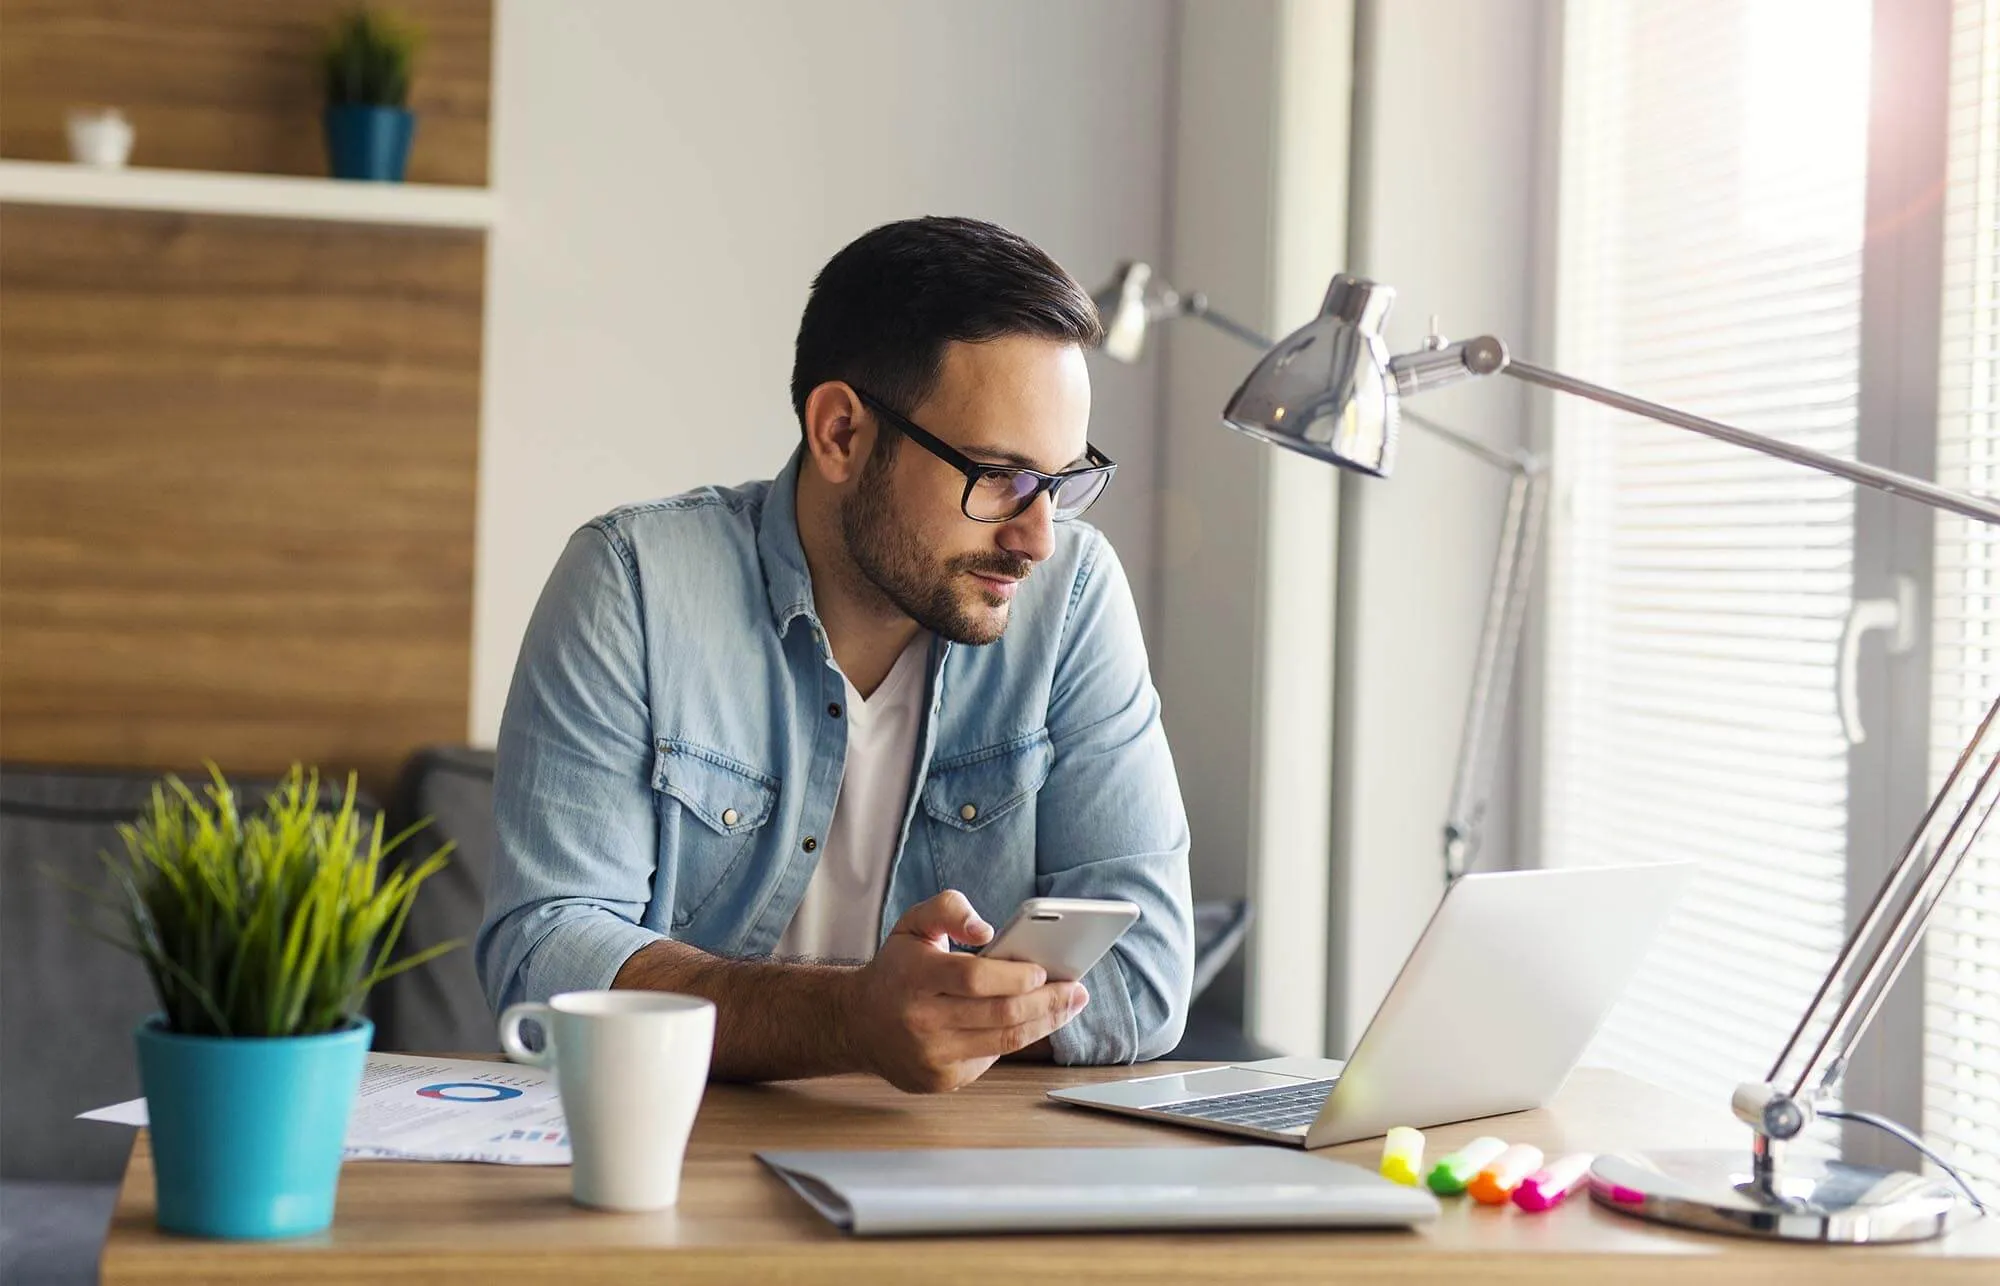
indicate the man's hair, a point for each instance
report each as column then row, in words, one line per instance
column 882, row 310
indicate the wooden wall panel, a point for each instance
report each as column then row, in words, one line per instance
column 231, row 84
column 237, row 472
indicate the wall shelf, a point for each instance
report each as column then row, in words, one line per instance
column 260, row 196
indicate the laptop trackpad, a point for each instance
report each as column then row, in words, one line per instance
column 1155, row 1091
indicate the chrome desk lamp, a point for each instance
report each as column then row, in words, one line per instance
column 1136, row 297
column 1331, row 390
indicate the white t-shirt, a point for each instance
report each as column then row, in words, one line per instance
column 840, row 917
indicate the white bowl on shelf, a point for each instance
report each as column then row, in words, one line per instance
column 99, row 137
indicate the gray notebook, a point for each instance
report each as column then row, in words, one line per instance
column 890, row 1192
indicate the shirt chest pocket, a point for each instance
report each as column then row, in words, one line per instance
column 713, row 808
column 981, row 808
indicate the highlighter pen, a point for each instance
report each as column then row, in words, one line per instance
column 1456, row 1169
column 1546, row 1188
column 1497, row 1181
column 1403, row 1155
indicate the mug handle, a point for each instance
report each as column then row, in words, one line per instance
column 510, row 1034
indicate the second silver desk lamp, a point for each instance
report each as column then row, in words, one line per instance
column 1136, row 297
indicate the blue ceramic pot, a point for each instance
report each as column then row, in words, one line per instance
column 369, row 142
column 247, row 1131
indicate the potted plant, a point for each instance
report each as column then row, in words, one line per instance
column 367, row 62
column 263, row 933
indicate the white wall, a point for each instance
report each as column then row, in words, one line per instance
column 672, row 174
column 1446, row 168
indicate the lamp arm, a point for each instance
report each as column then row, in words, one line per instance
column 1779, row 1113
column 1822, row 1070
column 1195, row 304
column 1980, row 508
column 1499, row 637
column 1435, row 368
column 1493, row 671
column 1515, row 462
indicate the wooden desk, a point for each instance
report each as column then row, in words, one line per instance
column 437, row 1224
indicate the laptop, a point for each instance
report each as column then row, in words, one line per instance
column 1512, row 977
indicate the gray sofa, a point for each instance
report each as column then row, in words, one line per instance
column 441, row 1008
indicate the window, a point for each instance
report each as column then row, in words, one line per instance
column 1711, row 254
column 1713, row 185
column 1961, row 1075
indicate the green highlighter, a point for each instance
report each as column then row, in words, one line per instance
column 1454, row 1170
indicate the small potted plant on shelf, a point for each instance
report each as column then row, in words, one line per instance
column 263, row 933
column 367, row 63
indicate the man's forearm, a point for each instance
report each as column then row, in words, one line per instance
column 772, row 1021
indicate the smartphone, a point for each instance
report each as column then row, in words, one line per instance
column 1065, row 936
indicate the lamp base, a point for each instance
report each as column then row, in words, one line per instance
column 1825, row 1201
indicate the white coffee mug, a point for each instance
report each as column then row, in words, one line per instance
column 630, row 1068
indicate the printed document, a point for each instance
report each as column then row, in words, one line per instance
column 416, row 1108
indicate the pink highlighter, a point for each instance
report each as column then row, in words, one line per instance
column 1546, row 1188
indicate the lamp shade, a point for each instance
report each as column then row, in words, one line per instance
column 1121, row 307
column 1326, row 390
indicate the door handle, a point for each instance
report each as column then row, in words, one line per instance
column 1898, row 617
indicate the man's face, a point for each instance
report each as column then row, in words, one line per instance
column 1011, row 401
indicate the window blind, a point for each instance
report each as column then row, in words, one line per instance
column 1962, row 951
column 1712, row 172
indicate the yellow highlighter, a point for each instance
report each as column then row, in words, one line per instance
column 1498, row 1179
column 1456, row 1169
column 1403, row 1155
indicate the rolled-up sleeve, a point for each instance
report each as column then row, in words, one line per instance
column 1111, row 823
column 573, row 810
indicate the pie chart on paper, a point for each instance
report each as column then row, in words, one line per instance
column 469, row 1092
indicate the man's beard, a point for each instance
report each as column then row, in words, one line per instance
column 895, row 563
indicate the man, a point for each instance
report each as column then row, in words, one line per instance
column 896, row 685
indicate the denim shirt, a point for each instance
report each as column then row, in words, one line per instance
column 673, row 741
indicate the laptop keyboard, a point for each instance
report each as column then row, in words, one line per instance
column 1273, row 1109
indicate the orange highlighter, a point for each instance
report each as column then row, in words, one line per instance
column 1497, row 1181
column 1546, row 1188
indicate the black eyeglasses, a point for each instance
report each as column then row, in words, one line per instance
column 1001, row 493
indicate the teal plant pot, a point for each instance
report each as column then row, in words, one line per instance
column 247, row 1132
column 369, row 142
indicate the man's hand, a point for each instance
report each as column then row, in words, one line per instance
column 927, row 1019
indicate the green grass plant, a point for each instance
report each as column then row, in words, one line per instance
column 271, row 922
column 368, row 59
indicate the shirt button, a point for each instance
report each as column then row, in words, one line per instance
column 968, row 812
column 810, row 844
column 729, row 817
column 834, row 709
